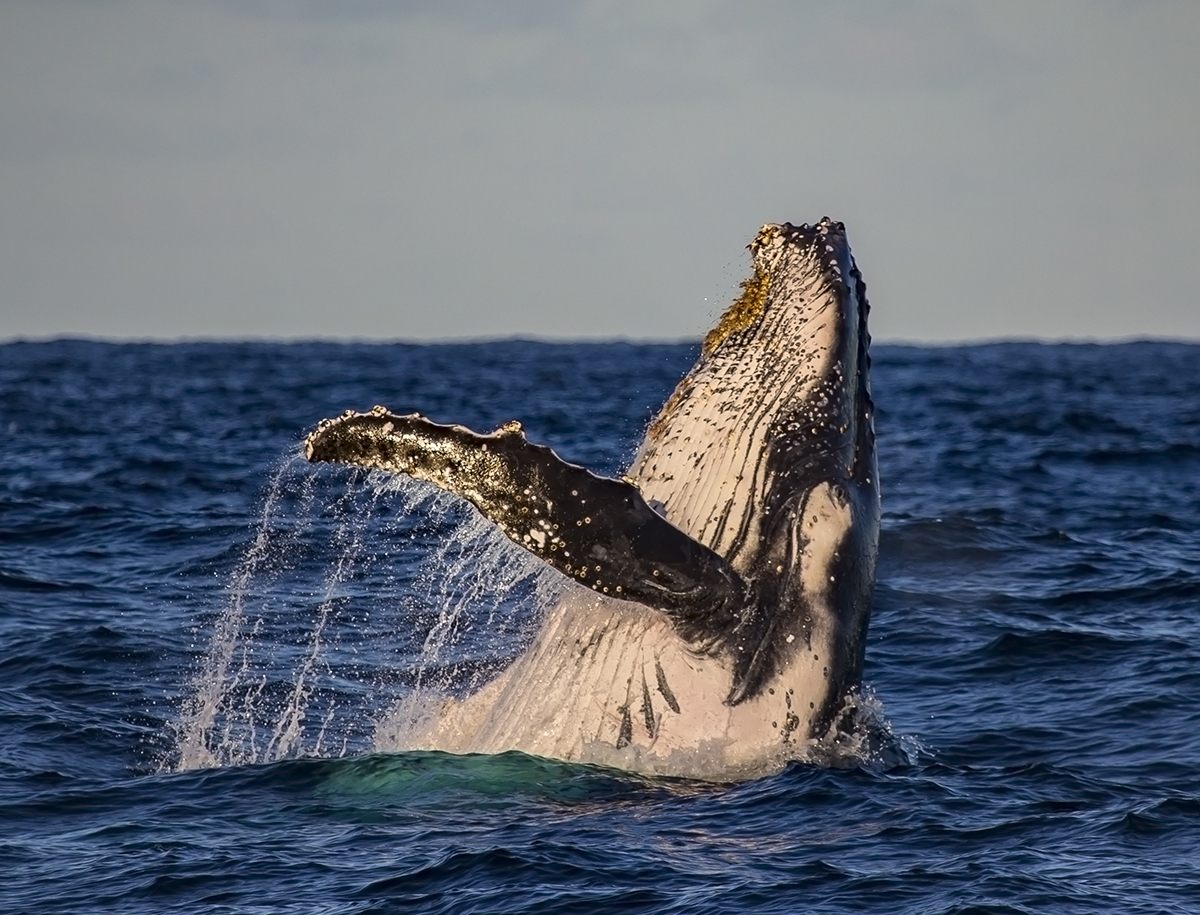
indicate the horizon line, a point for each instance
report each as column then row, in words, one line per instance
column 115, row 340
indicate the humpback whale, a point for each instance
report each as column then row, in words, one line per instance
column 727, row 575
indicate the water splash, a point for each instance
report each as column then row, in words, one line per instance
column 484, row 597
column 213, row 683
column 287, row 736
column 355, row 604
column 862, row 735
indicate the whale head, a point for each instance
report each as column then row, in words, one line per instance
column 765, row 453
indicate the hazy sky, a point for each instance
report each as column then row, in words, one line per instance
column 416, row 170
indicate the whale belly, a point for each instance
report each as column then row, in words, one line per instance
column 605, row 682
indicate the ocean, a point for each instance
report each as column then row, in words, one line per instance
column 203, row 641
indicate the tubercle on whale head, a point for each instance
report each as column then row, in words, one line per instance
column 794, row 267
column 766, row 250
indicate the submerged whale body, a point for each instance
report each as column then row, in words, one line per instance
column 729, row 573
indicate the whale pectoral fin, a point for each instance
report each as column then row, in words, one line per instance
column 596, row 530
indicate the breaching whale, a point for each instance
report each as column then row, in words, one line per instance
column 731, row 569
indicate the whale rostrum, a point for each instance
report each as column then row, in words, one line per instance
column 732, row 565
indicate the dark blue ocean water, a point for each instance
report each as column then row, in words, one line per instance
column 1035, row 647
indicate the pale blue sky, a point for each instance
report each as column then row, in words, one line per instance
column 434, row 170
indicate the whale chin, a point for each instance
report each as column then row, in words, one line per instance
column 730, row 570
